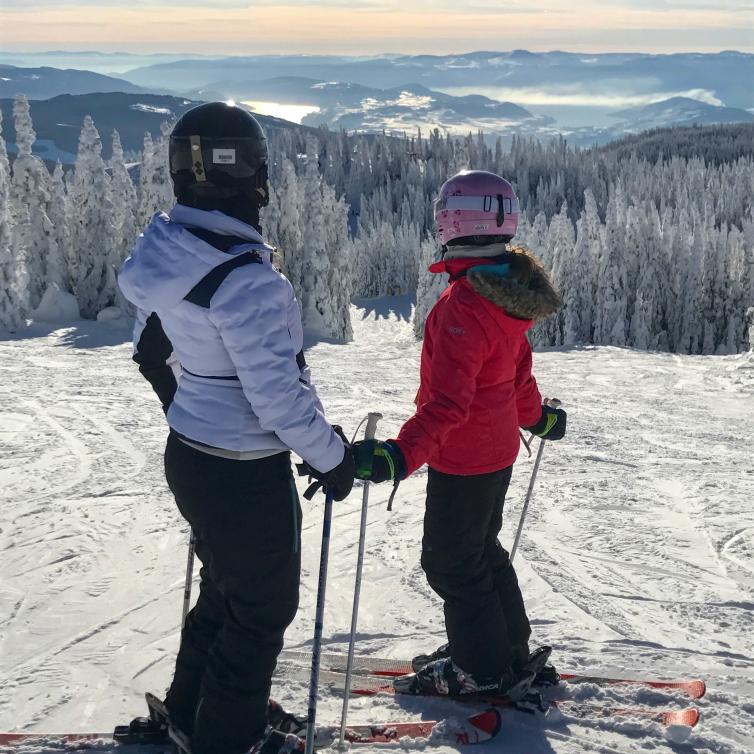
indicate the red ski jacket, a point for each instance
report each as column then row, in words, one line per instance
column 476, row 382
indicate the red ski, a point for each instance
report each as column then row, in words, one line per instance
column 9, row 739
column 383, row 667
column 453, row 731
column 470, row 730
column 374, row 685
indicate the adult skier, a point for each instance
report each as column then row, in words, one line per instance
column 476, row 390
column 210, row 299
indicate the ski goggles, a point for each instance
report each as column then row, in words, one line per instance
column 500, row 205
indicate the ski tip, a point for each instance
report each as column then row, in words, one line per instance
column 697, row 689
column 688, row 717
column 488, row 723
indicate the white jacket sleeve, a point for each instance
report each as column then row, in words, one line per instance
column 251, row 312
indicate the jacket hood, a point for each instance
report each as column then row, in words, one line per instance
column 168, row 260
column 489, row 278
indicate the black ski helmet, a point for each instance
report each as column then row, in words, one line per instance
column 219, row 151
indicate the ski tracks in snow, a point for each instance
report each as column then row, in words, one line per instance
column 637, row 556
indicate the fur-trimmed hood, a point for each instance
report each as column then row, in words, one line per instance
column 532, row 296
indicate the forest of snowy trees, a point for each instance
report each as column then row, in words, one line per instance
column 649, row 251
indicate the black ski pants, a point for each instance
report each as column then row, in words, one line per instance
column 466, row 565
column 246, row 518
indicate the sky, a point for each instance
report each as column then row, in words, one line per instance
column 377, row 26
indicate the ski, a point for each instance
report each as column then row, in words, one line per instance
column 61, row 739
column 387, row 668
column 455, row 731
column 374, row 685
column 452, row 731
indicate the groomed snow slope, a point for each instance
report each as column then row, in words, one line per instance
column 638, row 556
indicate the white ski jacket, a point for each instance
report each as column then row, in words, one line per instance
column 241, row 386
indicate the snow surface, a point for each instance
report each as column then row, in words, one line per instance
column 637, row 559
column 56, row 306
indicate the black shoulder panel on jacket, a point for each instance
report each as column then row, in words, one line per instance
column 201, row 294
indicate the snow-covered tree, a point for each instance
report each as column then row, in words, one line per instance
column 649, row 325
column 576, row 281
column 31, row 189
column 155, row 187
column 91, row 238
column 430, row 286
column 612, row 294
column 125, row 226
column 57, row 264
column 10, row 301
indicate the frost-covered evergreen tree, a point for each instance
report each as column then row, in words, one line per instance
column 30, row 190
column 576, row 280
column 21, row 233
column 309, row 225
column 125, row 226
column 688, row 320
column 57, row 265
column 649, row 328
column 10, row 301
column 90, row 225
column 155, row 187
column 559, row 248
column 430, row 286
column 315, row 258
column 340, row 280
column 612, row 295
column 282, row 222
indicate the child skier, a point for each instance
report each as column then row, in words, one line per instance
column 202, row 280
column 476, row 391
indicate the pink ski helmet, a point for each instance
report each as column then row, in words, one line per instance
column 476, row 203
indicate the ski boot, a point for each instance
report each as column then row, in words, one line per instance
column 146, row 730
column 439, row 654
column 444, row 678
column 285, row 722
column 277, row 742
column 545, row 674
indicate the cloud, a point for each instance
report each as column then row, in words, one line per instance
column 581, row 95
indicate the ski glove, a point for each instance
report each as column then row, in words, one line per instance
column 552, row 424
column 378, row 461
column 338, row 481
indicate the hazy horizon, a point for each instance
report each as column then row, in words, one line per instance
column 371, row 27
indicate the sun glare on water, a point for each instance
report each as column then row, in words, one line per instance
column 292, row 113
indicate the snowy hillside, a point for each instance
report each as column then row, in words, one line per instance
column 638, row 558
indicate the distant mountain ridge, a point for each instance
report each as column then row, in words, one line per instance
column 43, row 83
column 57, row 121
column 681, row 111
column 356, row 107
column 728, row 75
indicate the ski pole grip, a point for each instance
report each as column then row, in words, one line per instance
column 372, row 419
column 553, row 402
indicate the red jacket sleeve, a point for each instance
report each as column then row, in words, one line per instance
column 460, row 347
column 528, row 399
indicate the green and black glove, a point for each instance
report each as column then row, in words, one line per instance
column 552, row 424
column 379, row 461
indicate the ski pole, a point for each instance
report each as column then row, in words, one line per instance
column 189, row 576
column 318, row 623
column 369, row 433
column 553, row 403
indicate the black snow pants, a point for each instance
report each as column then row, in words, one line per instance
column 466, row 565
column 247, row 518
